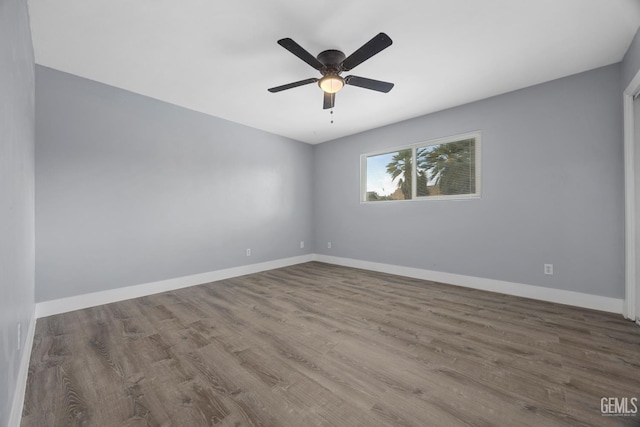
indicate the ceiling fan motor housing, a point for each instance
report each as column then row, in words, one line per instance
column 331, row 59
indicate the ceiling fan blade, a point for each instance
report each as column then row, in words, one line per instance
column 292, row 85
column 370, row 48
column 378, row 85
column 329, row 100
column 300, row 52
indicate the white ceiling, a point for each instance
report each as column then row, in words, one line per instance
column 219, row 57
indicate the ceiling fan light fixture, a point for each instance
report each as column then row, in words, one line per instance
column 331, row 83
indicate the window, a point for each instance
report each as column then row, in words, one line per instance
column 389, row 176
column 447, row 168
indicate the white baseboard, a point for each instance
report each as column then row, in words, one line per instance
column 23, row 372
column 63, row 305
column 596, row 302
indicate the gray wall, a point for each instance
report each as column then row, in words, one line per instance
column 631, row 61
column 131, row 190
column 16, row 193
column 552, row 191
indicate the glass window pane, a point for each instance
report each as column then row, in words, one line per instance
column 446, row 169
column 389, row 176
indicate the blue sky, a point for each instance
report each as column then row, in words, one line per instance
column 378, row 179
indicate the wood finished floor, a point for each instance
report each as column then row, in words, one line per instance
column 322, row 345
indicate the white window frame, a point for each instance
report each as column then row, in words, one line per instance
column 476, row 135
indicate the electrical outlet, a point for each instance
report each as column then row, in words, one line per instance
column 301, row 244
column 548, row 269
column 248, row 251
column 328, row 245
column 19, row 335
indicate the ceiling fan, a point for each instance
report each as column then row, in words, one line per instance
column 331, row 63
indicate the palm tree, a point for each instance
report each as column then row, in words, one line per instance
column 422, row 188
column 422, row 178
column 451, row 166
column 400, row 166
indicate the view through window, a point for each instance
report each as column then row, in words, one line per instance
column 445, row 168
